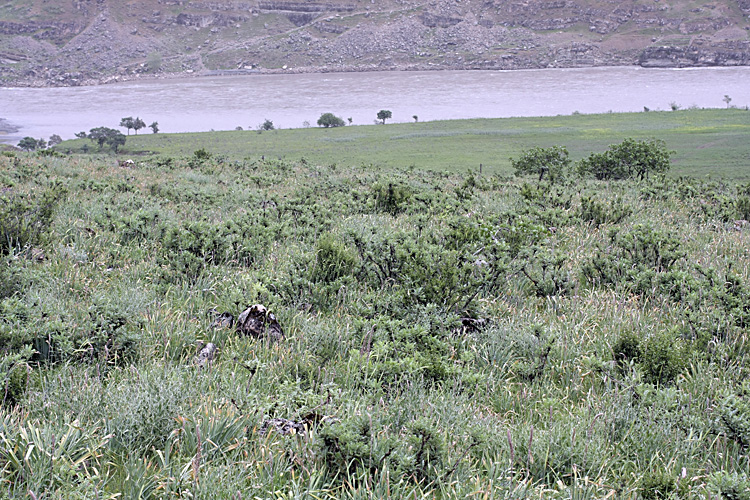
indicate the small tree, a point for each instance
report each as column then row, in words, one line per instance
column 727, row 100
column 138, row 124
column 128, row 122
column 54, row 140
column 154, row 127
column 416, row 118
column 105, row 135
column 330, row 120
column 115, row 139
column 28, row 144
column 384, row 115
column 350, row 120
column 539, row 161
column 267, row 125
column 628, row 159
column 99, row 135
column 81, row 135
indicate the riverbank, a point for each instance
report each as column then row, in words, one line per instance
column 698, row 136
column 298, row 100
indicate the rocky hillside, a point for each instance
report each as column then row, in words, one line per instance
column 74, row 42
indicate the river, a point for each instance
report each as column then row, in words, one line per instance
column 226, row 102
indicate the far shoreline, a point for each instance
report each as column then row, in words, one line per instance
column 125, row 78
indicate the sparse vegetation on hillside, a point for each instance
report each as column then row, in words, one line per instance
column 710, row 142
column 70, row 43
column 445, row 335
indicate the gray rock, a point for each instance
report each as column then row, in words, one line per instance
column 223, row 320
column 257, row 321
column 206, row 355
column 282, row 426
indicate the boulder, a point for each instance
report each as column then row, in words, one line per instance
column 222, row 320
column 283, row 426
column 257, row 321
column 206, row 355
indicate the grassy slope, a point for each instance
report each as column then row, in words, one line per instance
column 707, row 142
column 400, row 399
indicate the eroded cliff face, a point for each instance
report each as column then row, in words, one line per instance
column 94, row 41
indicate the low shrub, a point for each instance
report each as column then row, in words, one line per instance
column 25, row 220
column 333, row 260
column 663, row 357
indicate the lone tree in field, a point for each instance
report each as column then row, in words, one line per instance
column 105, row 135
column 384, row 115
column 138, row 124
column 553, row 161
column 267, row 125
column 128, row 122
column 31, row 144
column 54, row 140
column 727, row 100
column 330, row 120
column 627, row 160
column 115, row 139
column 154, row 127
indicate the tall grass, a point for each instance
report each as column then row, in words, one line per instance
column 446, row 335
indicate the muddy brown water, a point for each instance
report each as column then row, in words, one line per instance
column 226, row 102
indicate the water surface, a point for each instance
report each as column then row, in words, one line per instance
column 225, row 102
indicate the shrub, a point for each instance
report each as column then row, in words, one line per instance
column 733, row 415
column 330, row 120
column 597, row 212
column 662, row 358
column 553, row 161
column 428, row 455
column 634, row 258
column 657, row 485
column 13, row 376
column 10, row 278
column 333, row 259
column 627, row 348
column 25, row 220
column 628, row 159
column 353, row 445
column 729, row 486
column 546, row 272
column 391, row 198
column 191, row 247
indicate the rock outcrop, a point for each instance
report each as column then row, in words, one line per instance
column 99, row 41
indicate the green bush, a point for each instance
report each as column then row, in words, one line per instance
column 634, row 258
column 733, row 415
column 539, row 161
column 330, row 120
column 597, row 212
column 14, row 376
column 657, row 485
column 333, row 259
column 629, row 159
column 391, row 198
column 663, row 358
column 729, row 485
column 10, row 277
column 191, row 247
column 354, row 445
column 25, row 220
column 627, row 348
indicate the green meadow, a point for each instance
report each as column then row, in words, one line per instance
column 426, row 330
column 710, row 142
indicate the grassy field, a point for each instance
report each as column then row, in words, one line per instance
column 445, row 335
column 708, row 142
